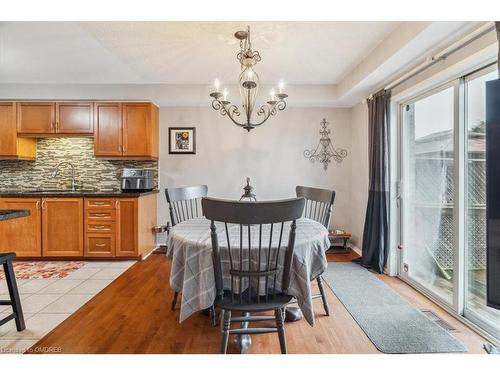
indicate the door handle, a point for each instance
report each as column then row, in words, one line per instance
column 37, row 205
column 44, row 205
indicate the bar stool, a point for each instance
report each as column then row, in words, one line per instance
column 15, row 301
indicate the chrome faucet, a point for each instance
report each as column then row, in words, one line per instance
column 56, row 171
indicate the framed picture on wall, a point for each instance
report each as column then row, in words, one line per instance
column 182, row 140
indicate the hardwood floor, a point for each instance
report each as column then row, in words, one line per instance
column 132, row 315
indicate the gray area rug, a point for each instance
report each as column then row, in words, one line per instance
column 392, row 324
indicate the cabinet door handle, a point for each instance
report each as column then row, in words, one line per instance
column 44, row 205
column 100, row 244
column 117, row 204
column 100, row 215
column 98, row 203
column 37, row 205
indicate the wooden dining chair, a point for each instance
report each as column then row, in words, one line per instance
column 184, row 203
column 318, row 207
column 257, row 270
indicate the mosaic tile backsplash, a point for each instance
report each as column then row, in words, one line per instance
column 91, row 173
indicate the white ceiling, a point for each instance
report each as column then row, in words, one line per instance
column 174, row 63
column 182, row 52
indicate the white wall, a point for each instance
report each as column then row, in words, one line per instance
column 360, row 171
column 272, row 156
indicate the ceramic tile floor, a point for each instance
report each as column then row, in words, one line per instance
column 48, row 302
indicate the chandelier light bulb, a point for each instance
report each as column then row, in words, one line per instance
column 225, row 94
column 217, row 85
column 273, row 94
column 281, row 85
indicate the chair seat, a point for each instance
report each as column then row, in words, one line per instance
column 276, row 301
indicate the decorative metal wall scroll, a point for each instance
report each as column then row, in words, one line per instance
column 325, row 151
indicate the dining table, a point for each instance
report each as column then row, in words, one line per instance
column 192, row 273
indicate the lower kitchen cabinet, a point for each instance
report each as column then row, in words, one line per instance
column 100, row 245
column 62, row 227
column 127, row 215
column 24, row 235
column 120, row 227
column 80, row 227
column 100, row 227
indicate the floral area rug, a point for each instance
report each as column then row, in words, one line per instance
column 43, row 269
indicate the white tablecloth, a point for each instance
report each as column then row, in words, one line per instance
column 192, row 273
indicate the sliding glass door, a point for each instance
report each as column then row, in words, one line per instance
column 428, row 200
column 443, row 197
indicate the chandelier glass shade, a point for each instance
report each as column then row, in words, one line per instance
column 248, row 84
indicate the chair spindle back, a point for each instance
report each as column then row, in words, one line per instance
column 319, row 202
column 184, row 203
column 260, row 261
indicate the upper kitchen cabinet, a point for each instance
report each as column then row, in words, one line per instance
column 108, row 129
column 12, row 146
column 75, row 118
column 126, row 130
column 38, row 119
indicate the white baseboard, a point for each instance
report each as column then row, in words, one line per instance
column 356, row 249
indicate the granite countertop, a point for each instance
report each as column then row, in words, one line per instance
column 76, row 193
column 13, row 214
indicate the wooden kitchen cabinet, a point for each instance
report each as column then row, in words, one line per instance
column 36, row 118
column 23, row 235
column 140, row 130
column 127, row 217
column 62, row 227
column 120, row 227
column 108, row 129
column 12, row 146
column 126, row 130
column 75, row 118
column 74, row 227
column 100, row 227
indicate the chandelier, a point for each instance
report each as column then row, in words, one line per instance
column 249, row 87
column 325, row 152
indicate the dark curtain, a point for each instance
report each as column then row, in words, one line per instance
column 376, row 231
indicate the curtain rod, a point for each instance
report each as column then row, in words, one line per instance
column 476, row 34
